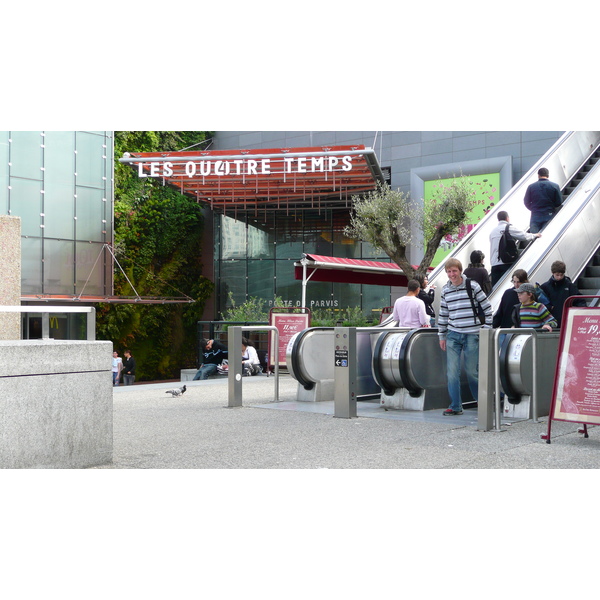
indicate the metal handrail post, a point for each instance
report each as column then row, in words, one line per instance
column 497, row 407
column 534, row 415
column 234, row 340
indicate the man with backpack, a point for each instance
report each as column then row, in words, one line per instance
column 501, row 263
column 461, row 304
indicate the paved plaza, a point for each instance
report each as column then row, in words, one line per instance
column 153, row 430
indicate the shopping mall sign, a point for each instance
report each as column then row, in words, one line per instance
column 279, row 178
column 250, row 166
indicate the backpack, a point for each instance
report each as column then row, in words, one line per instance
column 478, row 313
column 540, row 296
column 507, row 247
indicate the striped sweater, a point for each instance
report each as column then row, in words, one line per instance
column 456, row 312
column 533, row 316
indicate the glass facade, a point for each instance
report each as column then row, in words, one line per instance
column 61, row 185
column 254, row 257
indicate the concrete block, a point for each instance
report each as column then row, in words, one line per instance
column 56, row 404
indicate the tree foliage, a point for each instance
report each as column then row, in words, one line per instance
column 384, row 217
column 158, row 243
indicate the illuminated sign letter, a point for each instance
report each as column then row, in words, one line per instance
column 141, row 170
column 154, row 169
column 222, row 168
column 318, row 163
column 190, row 168
column 252, row 167
column 288, row 164
column 347, row 163
column 333, row 160
column 266, row 166
column 205, row 167
column 168, row 169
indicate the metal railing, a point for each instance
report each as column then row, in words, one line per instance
column 46, row 312
column 234, row 345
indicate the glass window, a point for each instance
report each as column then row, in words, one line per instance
column 4, row 153
column 59, row 157
column 26, row 154
column 261, row 279
column 233, row 279
column 286, row 286
column 374, row 298
column 25, row 201
column 346, row 295
column 89, row 164
column 59, row 209
column 89, row 273
column 290, row 235
column 369, row 253
column 90, row 209
column 260, row 242
column 233, row 239
column 31, row 265
column 59, row 266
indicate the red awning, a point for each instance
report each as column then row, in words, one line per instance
column 282, row 178
column 350, row 270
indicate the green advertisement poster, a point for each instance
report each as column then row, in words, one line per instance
column 488, row 192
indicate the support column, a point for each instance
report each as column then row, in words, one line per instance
column 10, row 276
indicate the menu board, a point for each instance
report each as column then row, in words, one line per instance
column 577, row 389
column 288, row 325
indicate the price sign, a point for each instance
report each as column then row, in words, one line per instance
column 577, row 387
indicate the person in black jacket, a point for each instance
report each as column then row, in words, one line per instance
column 477, row 271
column 428, row 296
column 558, row 288
column 502, row 318
column 128, row 368
column 543, row 199
column 214, row 353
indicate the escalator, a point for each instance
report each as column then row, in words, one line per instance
column 572, row 236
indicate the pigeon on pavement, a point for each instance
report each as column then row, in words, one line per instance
column 176, row 392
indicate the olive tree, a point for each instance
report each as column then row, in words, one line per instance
column 385, row 217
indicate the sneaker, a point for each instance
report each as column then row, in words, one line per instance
column 449, row 412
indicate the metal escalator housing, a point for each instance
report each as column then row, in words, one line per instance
column 310, row 360
column 516, row 370
column 410, row 359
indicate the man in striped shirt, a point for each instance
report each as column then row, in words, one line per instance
column 530, row 313
column 458, row 331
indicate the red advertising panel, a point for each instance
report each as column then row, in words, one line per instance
column 577, row 389
column 288, row 324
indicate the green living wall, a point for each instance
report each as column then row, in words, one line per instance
column 158, row 241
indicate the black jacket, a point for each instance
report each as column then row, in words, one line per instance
column 129, row 366
column 216, row 355
column 558, row 292
column 503, row 316
column 427, row 298
column 543, row 197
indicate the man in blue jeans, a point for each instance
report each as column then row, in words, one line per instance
column 543, row 198
column 458, row 331
column 214, row 354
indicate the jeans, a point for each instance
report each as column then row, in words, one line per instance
column 205, row 371
column 116, row 378
column 497, row 271
column 537, row 224
column 468, row 344
column 128, row 379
